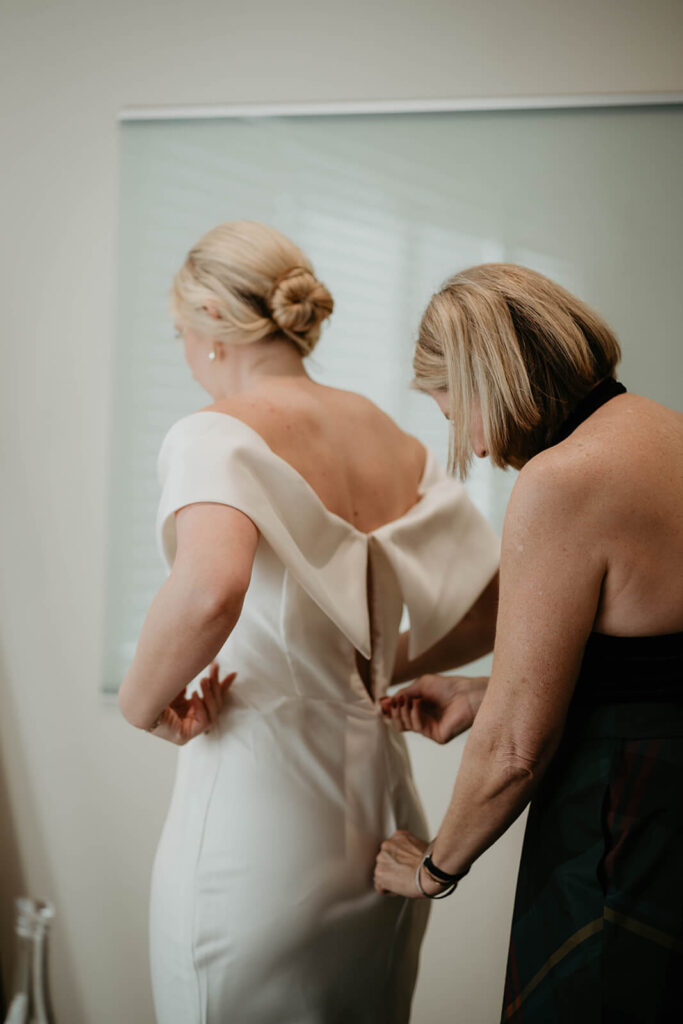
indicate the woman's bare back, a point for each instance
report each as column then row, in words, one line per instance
column 363, row 467
column 632, row 452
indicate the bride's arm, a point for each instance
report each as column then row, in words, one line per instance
column 552, row 570
column 194, row 611
column 470, row 639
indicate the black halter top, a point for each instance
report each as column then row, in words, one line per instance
column 619, row 669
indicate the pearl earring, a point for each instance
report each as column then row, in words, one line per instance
column 212, row 354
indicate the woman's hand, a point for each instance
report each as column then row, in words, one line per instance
column 396, row 867
column 183, row 719
column 438, row 707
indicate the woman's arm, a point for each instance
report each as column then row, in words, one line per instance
column 552, row 571
column 194, row 611
column 472, row 638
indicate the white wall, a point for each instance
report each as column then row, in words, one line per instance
column 82, row 795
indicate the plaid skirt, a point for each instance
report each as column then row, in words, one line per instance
column 597, row 931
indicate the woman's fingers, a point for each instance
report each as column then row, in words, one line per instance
column 396, row 864
column 398, row 708
column 423, row 686
column 401, row 844
column 416, row 723
column 404, row 712
column 387, row 707
column 382, row 874
column 396, row 715
column 404, row 706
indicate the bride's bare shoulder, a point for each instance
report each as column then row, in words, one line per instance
column 271, row 415
column 279, row 413
column 377, row 424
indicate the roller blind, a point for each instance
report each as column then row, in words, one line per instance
column 386, row 206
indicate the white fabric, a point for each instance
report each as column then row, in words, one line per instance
column 262, row 906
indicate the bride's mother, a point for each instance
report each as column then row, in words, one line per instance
column 583, row 712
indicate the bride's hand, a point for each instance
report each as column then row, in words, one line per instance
column 438, row 707
column 396, row 867
column 183, row 719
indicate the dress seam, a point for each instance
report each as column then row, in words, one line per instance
column 201, row 1017
column 283, row 634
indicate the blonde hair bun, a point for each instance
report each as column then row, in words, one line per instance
column 258, row 283
column 298, row 303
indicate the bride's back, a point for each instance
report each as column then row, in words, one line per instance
column 302, row 778
column 362, row 466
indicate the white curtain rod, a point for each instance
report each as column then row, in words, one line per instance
column 640, row 99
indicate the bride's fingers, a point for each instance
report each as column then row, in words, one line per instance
column 210, row 699
column 226, row 683
column 199, row 719
column 179, row 706
column 211, row 675
column 198, row 711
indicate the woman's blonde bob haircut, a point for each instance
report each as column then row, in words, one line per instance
column 257, row 281
column 523, row 346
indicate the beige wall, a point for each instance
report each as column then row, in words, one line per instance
column 82, row 795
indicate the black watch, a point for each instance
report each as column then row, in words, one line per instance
column 451, row 881
column 442, row 876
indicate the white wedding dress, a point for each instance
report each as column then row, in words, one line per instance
column 262, row 904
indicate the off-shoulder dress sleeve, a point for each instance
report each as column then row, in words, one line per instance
column 214, row 457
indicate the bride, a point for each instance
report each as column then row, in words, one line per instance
column 296, row 521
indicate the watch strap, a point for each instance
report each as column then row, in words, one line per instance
column 442, row 876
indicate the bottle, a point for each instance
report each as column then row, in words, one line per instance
column 30, row 1002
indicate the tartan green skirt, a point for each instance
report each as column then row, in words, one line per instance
column 597, row 931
